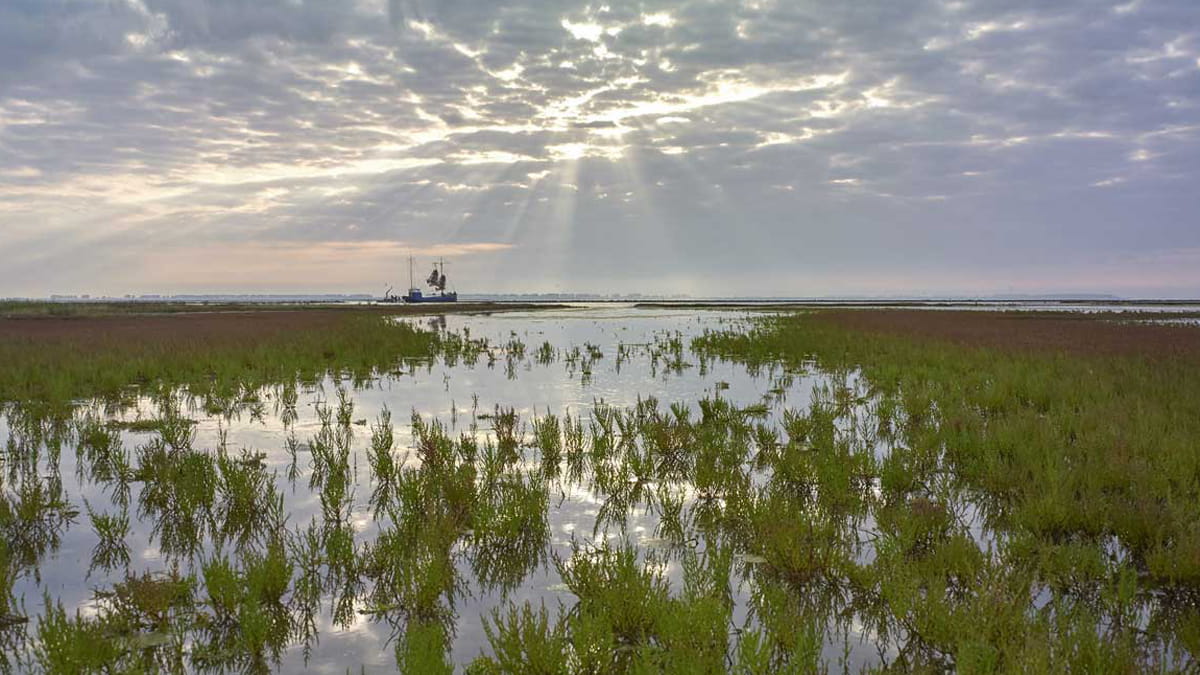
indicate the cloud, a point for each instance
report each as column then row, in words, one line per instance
column 707, row 146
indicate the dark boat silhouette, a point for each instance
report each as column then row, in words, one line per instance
column 436, row 280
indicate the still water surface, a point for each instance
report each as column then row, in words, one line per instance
column 620, row 370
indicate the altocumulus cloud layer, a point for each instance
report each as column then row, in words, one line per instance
column 787, row 147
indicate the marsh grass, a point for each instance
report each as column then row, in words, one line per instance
column 111, row 530
column 1081, row 472
column 626, row 619
column 33, row 516
column 546, row 354
column 33, row 309
column 944, row 508
column 224, row 364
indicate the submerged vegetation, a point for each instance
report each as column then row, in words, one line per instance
column 857, row 500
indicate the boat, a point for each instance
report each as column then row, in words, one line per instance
column 436, row 280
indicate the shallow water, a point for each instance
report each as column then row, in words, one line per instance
column 459, row 396
column 568, row 363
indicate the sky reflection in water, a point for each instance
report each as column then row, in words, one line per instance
column 456, row 395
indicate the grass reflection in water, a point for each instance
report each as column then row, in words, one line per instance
column 855, row 499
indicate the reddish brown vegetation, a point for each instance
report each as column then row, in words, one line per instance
column 1072, row 333
column 200, row 326
column 244, row 325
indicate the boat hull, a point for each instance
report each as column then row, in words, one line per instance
column 418, row 297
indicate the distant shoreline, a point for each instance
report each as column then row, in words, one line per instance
column 82, row 310
column 541, row 298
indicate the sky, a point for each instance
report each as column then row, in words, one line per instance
column 701, row 147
